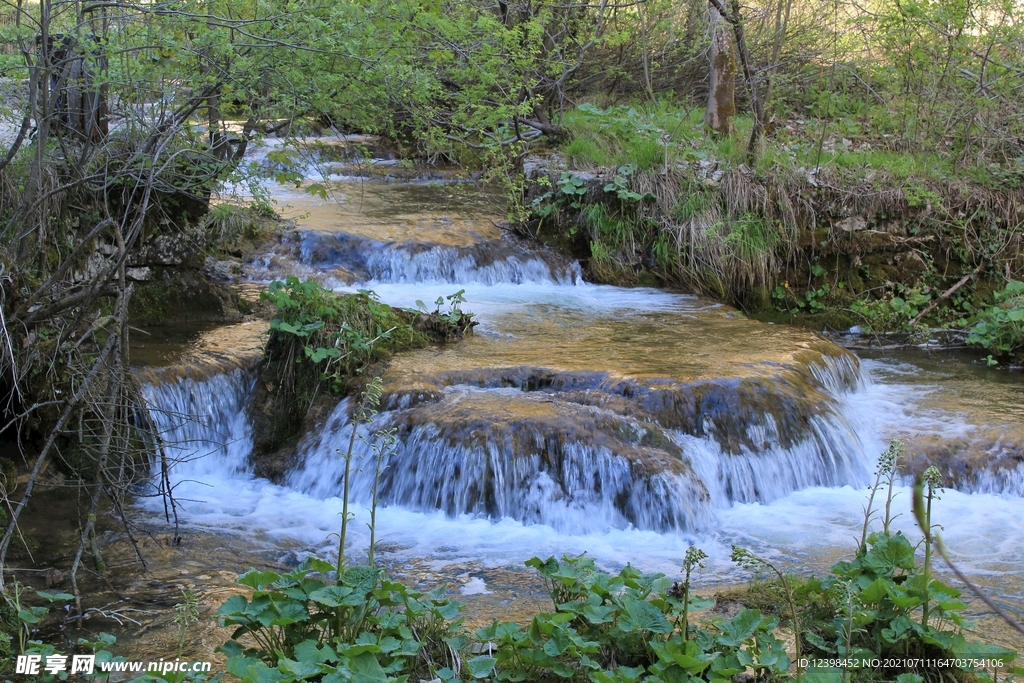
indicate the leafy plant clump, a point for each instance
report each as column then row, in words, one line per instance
column 361, row 627
column 1000, row 328
column 20, row 619
column 605, row 628
column 320, row 341
column 630, row 626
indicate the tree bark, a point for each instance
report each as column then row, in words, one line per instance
column 722, row 89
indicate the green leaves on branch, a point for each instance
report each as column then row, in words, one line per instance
column 1000, row 328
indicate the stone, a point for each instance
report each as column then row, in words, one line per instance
column 852, row 224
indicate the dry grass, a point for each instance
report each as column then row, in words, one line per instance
column 735, row 235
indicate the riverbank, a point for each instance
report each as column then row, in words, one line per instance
column 201, row 567
column 835, row 235
column 778, row 427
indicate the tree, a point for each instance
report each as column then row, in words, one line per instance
column 721, row 105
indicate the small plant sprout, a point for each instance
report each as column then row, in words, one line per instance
column 364, row 412
column 845, row 589
column 694, row 559
column 889, row 466
column 752, row 562
column 383, row 446
column 932, row 479
column 186, row 614
column 892, row 459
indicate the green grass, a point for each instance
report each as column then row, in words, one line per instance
column 588, row 149
column 853, row 144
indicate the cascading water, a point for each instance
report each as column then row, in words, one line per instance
column 624, row 423
column 202, row 422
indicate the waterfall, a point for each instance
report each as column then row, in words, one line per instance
column 487, row 262
column 623, row 422
column 201, row 421
column 536, row 471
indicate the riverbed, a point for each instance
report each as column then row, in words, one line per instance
column 627, row 424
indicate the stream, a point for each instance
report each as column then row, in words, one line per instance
column 624, row 423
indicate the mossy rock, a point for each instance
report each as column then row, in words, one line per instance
column 298, row 382
column 176, row 295
column 9, row 625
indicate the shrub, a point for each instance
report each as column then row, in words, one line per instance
column 1000, row 328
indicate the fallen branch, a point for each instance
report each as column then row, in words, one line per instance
column 945, row 295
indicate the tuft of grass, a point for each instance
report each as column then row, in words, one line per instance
column 645, row 153
column 587, row 150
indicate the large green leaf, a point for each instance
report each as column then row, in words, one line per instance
column 889, row 553
column 258, row 580
column 367, row 669
column 300, row 670
column 739, row 628
column 481, row 667
column 330, row 596
column 599, row 614
column 640, row 615
column 874, row 593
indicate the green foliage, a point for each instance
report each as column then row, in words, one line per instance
column 894, row 310
column 817, row 297
column 24, row 618
column 620, row 185
column 320, row 341
column 640, row 137
column 447, row 321
column 751, row 236
column 1000, row 328
column 186, row 614
column 361, row 627
column 626, row 627
column 340, row 330
column 877, row 596
column 569, row 191
column 342, row 333
column 573, row 188
column 605, row 627
column 886, row 605
column 920, row 196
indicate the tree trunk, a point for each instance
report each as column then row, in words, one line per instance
column 722, row 87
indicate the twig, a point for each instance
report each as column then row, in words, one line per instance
column 945, row 295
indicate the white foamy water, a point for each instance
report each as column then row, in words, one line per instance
column 807, row 528
column 801, row 502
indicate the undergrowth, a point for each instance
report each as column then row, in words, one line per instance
column 859, row 143
column 831, row 227
column 321, row 341
column 881, row 615
column 999, row 328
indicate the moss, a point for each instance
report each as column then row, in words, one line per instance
column 9, row 625
column 829, row 320
column 646, row 278
column 298, row 381
column 766, row 595
column 174, row 295
column 769, row 596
